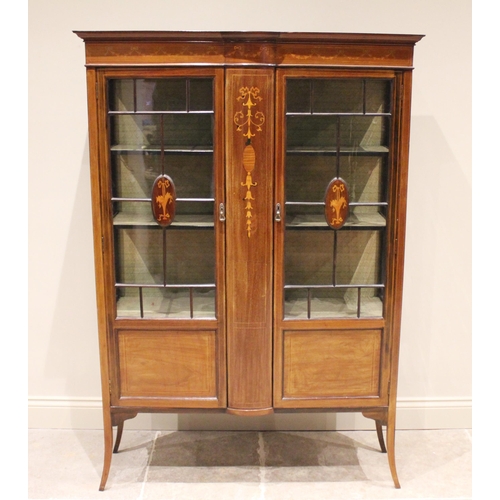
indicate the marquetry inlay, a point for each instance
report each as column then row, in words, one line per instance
column 249, row 122
column 163, row 200
column 336, row 203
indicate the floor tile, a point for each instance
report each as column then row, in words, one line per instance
column 205, row 457
column 191, row 465
column 68, row 464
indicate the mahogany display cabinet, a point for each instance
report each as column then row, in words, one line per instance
column 249, row 199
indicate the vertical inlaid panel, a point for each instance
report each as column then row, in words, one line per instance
column 249, row 184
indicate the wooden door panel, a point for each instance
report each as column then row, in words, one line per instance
column 167, row 364
column 331, row 364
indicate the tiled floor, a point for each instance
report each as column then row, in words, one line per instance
column 66, row 464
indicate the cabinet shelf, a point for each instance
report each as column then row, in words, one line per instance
column 343, row 151
column 326, row 113
column 125, row 220
column 167, row 301
column 333, row 301
column 159, row 112
column 354, row 221
column 321, row 308
column 135, row 148
column 172, row 308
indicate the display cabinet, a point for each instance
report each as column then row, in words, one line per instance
column 249, row 197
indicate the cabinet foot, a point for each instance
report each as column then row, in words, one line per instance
column 117, row 419
column 108, row 446
column 380, row 435
column 383, row 417
column 380, row 417
column 119, row 432
column 391, row 437
column 110, row 421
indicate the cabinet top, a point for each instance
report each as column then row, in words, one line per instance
column 269, row 36
column 139, row 48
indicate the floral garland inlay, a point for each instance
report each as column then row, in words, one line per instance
column 251, row 97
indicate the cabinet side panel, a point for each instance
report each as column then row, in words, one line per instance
column 100, row 274
column 249, row 185
column 400, row 185
column 329, row 364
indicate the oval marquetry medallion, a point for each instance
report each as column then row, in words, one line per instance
column 163, row 200
column 249, row 158
column 336, row 203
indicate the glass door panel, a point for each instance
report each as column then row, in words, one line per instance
column 336, row 129
column 161, row 134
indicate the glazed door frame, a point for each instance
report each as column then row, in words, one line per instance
column 372, row 338
column 203, row 338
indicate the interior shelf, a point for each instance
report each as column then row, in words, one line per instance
column 191, row 221
column 360, row 220
column 160, row 112
column 177, row 304
column 332, row 308
column 316, row 150
column 156, row 149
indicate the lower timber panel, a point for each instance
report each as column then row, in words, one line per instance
column 167, row 364
column 331, row 364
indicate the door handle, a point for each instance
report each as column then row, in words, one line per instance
column 277, row 212
column 222, row 212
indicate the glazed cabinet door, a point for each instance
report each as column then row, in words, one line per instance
column 336, row 180
column 162, row 197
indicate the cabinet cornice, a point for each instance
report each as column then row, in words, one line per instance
column 153, row 48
